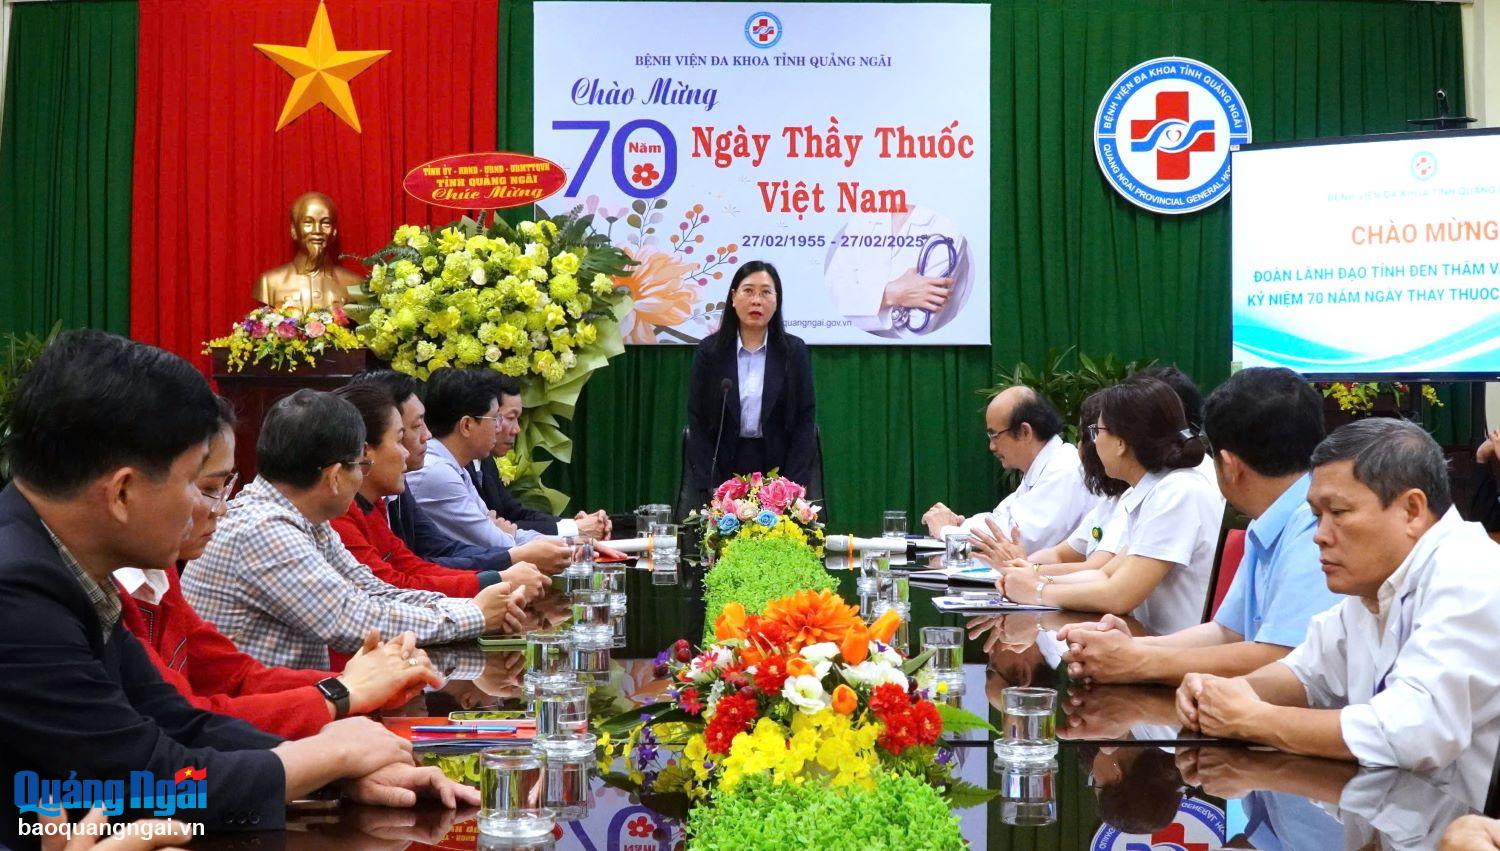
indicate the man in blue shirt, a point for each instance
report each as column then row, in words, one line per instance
column 1262, row 426
column 463, row 414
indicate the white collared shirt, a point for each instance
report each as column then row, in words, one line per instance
column 1049, row 503
column 1174, row 516
column 148, row 586
column 752, row 373
column 1103, row 528
column 1420, row 690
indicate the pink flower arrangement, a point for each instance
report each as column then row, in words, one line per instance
column 285, row 336
column 758, row 505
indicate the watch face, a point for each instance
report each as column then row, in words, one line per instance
column 333, row 688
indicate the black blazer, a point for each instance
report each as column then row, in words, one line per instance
column 786, row 412
column 72, row 702
column 500, row 501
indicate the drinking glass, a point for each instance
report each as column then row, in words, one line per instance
column 664, row 570
column 946, row 664
column 651, row 514
column 957, row 550
column 617, row 629
column 590, row 658
column 569, row 778
column 1029, row 732
column 664, row 539
column 1028, row 793
column 610, row 578
column 591, row 614
column 547, row 661
column 583, row 555
column 562, row 716
column 893, row 524
column 874, row 570
column 513, row 790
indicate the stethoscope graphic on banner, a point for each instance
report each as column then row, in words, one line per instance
column 938, row 259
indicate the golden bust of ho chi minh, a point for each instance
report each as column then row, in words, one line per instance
column 314, row 278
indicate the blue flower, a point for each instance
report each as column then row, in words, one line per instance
column 729, row 524
column 766, row 518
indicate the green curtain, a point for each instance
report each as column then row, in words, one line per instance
column 65, row 166
column 1073, row 263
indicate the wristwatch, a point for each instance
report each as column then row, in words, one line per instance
column 337, row 693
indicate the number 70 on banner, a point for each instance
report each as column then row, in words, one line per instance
column 643, row 181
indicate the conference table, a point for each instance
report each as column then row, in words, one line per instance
column 1125, row 776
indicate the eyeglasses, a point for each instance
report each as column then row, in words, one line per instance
column 1093, row 430
column 220, row 497
column 498, row 420
column 992, row 434
column 364, row 464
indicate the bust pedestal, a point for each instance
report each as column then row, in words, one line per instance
column 257, row 387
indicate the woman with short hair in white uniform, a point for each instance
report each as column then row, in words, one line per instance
column 1172, row 516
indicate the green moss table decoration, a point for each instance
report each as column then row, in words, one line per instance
column 755, row 571
column 901, row 811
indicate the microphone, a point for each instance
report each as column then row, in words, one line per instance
column 724, row 387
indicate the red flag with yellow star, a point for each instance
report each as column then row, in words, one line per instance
column 242, row 105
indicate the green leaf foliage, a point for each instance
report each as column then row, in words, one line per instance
column 755, row 571
column 900, row 812
column 957, row 720
column 18, row 352
column 1066, row 378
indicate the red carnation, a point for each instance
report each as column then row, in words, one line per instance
column 927, row 724
column 720, row 732
column 888, row 698
column 900, row 731
column 737, row 710
column 771, row 675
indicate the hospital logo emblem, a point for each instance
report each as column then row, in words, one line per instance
column 1164, row 131
column 1198, row 826
column 1423, row 165
column 763, row 30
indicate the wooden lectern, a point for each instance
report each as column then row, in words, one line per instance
column 255, row 389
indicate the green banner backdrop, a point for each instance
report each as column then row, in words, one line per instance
column 1074, row 263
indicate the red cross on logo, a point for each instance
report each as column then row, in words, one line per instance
column 1174, row 835
column 1174, row 165
column 763, row 30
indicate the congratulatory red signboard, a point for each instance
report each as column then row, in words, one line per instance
column 487, row 180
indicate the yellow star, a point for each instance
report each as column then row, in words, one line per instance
column 320, row 72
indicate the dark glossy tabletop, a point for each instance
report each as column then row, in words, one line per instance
column 1123, row 777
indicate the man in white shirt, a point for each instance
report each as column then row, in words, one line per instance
column 1403, row 671
column 1024, row 434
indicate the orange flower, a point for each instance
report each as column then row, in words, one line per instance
column 844, row 700
column 731, row 622
column 798, row 666
column 811, row 617
column 663, row 293
column 885, row 626
column 856, row 645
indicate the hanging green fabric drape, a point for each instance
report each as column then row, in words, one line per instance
column 65, row 166
column 1074, row 264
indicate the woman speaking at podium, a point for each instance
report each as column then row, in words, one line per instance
column 750, row 405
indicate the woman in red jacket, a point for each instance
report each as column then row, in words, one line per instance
column 365, row 528
column 213, row 674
